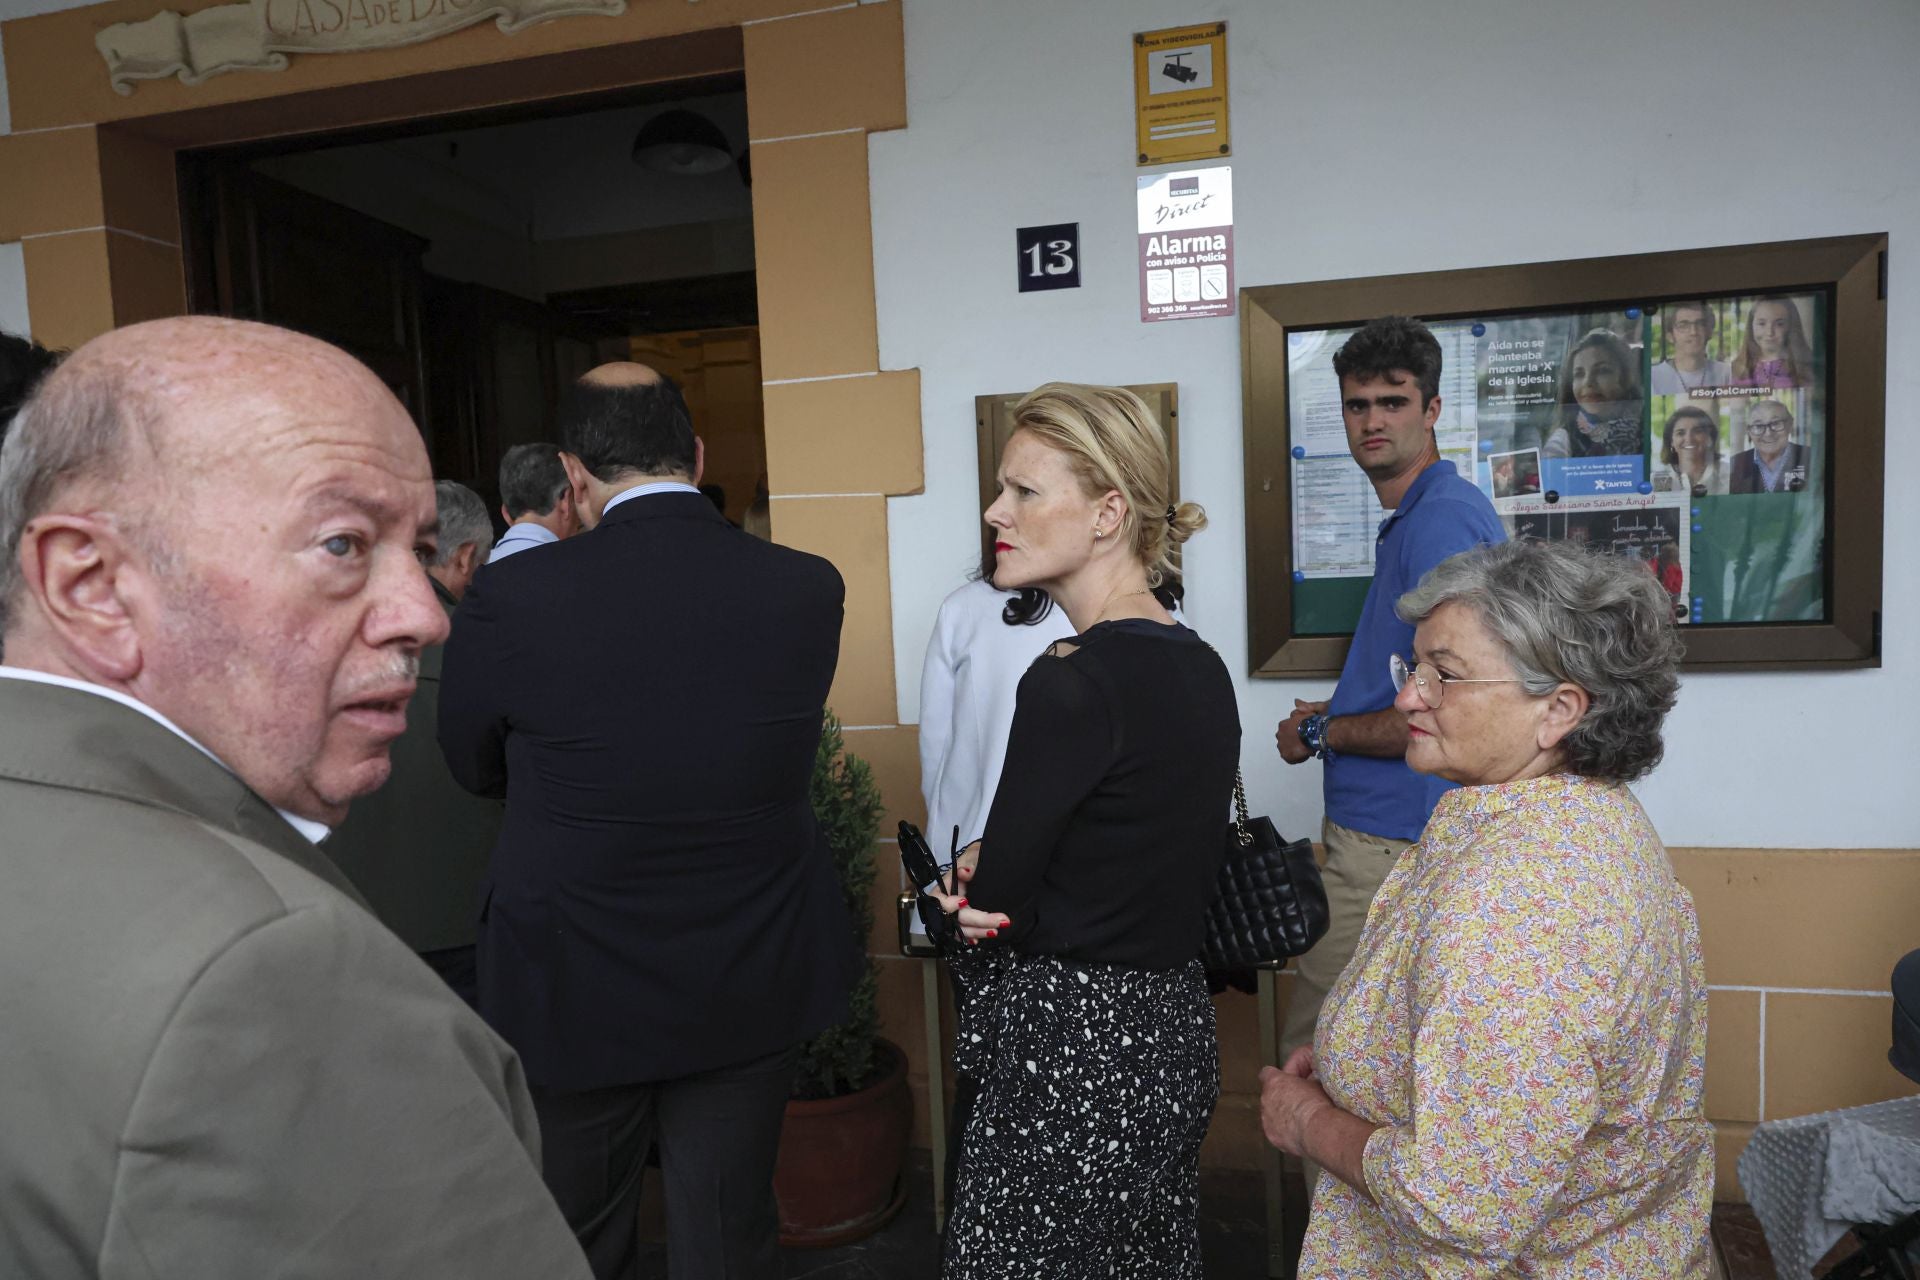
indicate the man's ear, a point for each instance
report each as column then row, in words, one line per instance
column 464, row 557
column 76, row 570
column 504, row 515
column 580, row 483
column 576, row 474
column 699, row 459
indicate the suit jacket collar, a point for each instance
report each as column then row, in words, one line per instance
column 662, row 506
column 57, row 737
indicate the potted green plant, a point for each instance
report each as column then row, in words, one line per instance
column 844, row 1144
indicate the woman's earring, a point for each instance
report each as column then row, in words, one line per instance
column 1098, row 534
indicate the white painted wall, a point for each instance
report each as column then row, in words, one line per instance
column 13, row 289
column 1376, row 137
column 13, row 273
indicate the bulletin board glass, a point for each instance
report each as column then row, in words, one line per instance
column 1715, row 414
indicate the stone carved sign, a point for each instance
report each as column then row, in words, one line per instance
column 257, row 36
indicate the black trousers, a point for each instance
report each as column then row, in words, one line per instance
column 718, row 1133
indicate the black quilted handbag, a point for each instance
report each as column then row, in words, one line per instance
column 1271, row 903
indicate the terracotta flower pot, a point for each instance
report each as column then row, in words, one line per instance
column 839, row 1173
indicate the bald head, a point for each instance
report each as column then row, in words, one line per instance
column 621, row 373
column 226, row 521
column 131, row 420
column 623, row 421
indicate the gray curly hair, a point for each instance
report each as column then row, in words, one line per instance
column 1566, row 615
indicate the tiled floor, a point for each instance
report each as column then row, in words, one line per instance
column 1232, row 1239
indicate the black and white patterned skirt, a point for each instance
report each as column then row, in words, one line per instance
column 1082, row 1155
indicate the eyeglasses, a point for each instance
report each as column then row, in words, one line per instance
column 1768, row 426
column 1433, row 685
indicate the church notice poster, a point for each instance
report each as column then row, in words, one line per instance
column 1687, row 434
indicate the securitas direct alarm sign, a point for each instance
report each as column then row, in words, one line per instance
column 1186, row 244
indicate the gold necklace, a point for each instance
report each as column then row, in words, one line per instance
column 1144, row 591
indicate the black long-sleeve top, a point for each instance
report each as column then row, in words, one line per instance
column 1108, row 827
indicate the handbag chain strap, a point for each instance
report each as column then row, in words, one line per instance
column 1240, row 818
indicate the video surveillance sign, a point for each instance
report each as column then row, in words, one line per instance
column 1186, row 244
column 1180, row 94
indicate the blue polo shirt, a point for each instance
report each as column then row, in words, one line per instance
column 1441, row 515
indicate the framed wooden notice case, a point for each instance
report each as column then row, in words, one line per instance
column 1717, row 414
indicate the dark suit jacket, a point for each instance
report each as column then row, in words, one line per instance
column 417, row 848
column 648, row 697
column 1745, row 474
column 213, row 1062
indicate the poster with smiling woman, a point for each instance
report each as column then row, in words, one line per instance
column 1596, row 441
column 1571, row 387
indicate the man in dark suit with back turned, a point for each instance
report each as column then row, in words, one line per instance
column 662, row 926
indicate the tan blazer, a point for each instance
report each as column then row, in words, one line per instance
column 213, row 1061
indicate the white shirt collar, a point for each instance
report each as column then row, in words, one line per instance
column 520, row 537
column 657, row 486
column 313, row 831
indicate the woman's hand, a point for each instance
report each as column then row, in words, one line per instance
column 973, row 923
column 1290, row 1099
column 963, row 864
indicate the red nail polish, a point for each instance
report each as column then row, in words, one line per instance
column 993, row 933
column 963, row 902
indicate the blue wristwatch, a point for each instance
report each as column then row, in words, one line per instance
column 1313, row 732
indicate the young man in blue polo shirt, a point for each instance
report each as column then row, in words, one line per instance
column 1376, row 806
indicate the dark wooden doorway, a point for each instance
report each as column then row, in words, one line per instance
column 480, row 370
column 262, row 250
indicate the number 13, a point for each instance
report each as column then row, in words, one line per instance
column 1059, row 259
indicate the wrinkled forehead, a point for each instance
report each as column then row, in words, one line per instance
column 237, row 420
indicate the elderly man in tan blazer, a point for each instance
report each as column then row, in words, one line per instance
column 213, row 1061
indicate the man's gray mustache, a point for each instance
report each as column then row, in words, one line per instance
column 394, row 670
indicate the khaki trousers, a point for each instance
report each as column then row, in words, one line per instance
column 1356, row 864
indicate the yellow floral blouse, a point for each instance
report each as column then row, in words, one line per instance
column 1526, row 1018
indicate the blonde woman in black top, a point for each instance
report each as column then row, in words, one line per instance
column 1084, row 1013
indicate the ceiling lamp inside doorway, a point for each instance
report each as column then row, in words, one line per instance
column 682, row 142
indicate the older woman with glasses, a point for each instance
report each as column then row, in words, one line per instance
column 1507, row 1078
